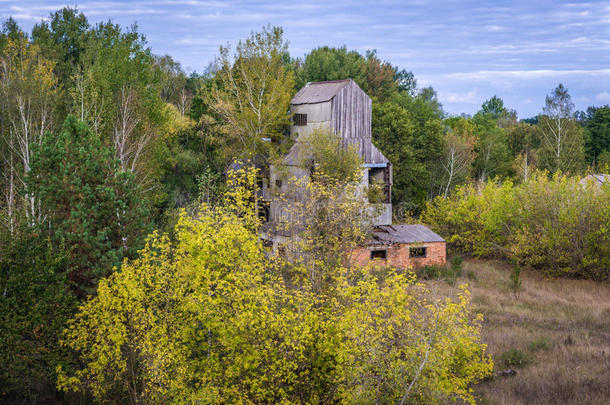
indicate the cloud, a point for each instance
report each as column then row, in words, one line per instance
column 493, row 28
column 470, row 97
column 604, row 97
column 517, row 50
column 525, row 74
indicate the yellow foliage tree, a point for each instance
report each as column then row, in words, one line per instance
column 209, row 318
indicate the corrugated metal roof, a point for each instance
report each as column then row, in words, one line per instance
column 319, row 92
column 386, row 234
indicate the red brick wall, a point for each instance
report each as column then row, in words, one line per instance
column 397, row 255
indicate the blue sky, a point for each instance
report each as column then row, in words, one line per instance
column 467, row 50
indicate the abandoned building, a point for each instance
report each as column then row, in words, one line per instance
column 402, row 246
column 341, row 107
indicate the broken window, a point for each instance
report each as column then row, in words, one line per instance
column 278, row 183
column 263, row 211
column 379, row 185
column 417, row 252
column 299, row 119
column 378, row 254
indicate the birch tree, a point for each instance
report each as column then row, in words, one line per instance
column 28, row 87
column 456, row 162
column 117, row 94
column 562, row 137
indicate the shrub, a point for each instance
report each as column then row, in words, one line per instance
column 539, row 344
column 514, row 358
column 445, row 272
column 456, row 264
column 554, row 225
column 515, row 276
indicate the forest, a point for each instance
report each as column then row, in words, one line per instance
column 130, row 267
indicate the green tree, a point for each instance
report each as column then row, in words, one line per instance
column 173, row 83
column 597, row 134
column 409, row 132
column 379, row 79
column 118, row 95
column 326, row 63
column 90, row 207
column 523, row 141
column 493, row 157
column 252, row 93
column 64, row 38
column 455, row 165
column 28, row 89
column 395, row 135
column 494, row 108
column 35, row 305
column 323, row 152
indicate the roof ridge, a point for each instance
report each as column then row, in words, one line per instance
column 331, row 81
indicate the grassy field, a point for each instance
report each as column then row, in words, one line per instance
column 555, row 333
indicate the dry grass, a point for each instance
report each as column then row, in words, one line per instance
column 561, row 326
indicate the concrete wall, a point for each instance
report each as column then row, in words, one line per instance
column 382, row 214
column 397, row 255
column 288, row 177
column 318, row 117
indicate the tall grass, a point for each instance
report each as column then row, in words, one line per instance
column 555, row 335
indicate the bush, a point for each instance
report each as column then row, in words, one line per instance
column 35, row 305
column 539, row 344
column 449, row 273
column 514, row 358
column 554, row 225
column 456, row 264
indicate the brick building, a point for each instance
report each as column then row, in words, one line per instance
column 402, row 246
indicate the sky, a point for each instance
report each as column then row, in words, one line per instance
column 467, row 51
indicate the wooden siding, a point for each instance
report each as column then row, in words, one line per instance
column 351, row 112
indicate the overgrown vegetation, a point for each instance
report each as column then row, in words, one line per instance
column 556, row 225
column 208, row 317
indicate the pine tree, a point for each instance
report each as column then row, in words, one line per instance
column 89, row 207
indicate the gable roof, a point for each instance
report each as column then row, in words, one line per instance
column 319, row 92
column 387, row 234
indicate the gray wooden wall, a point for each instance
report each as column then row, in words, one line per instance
column 351, row 113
